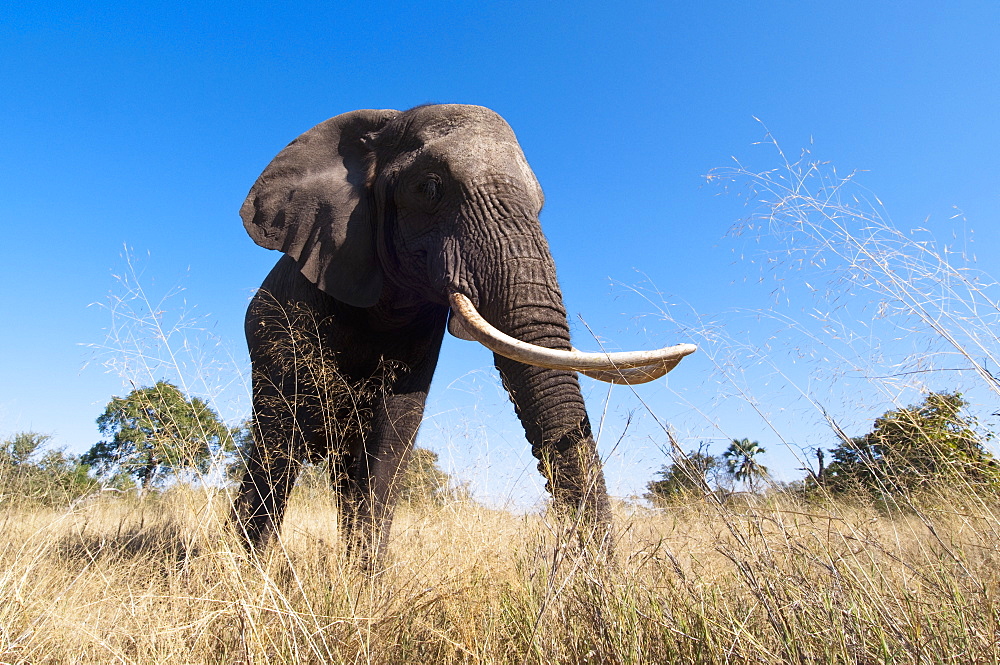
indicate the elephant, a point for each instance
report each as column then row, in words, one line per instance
column 393, row 227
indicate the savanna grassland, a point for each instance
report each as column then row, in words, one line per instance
column 751, row 580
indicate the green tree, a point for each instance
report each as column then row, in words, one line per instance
column 424, row 482
column 18, row 448
column 687, row 474
column 741, row 462
column 915, row 448
column 155, row 432
column 30, row 471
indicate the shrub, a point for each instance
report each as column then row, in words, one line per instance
column 29, row 471
column 915, row 448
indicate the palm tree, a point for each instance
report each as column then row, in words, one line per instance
column 741, row 462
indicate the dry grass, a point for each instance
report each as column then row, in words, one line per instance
column 117, row 580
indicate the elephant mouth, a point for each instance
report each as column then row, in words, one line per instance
column 630, row 367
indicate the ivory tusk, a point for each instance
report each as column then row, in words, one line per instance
column 632, row 376
column 625, row 367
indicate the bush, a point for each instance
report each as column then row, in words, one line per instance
column 424, row 483
column 52, row 476
column 689, row 474
column 913, row 449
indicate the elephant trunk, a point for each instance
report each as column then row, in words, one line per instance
column 520, row 273
column 523, row 299
column 550, row 408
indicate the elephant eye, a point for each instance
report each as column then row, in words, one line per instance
column 431, row 188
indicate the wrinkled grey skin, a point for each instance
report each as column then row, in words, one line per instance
column 380, row 214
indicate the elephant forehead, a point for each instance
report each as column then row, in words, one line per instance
column 442, row 119
column 472, row 143
column 472, row 155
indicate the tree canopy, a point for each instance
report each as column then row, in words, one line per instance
column 915, row 448
column 423, row 481
column 741, row 462
column 30, row 470
column 17, row 449
column 155, row 432
column 698, row 472
column 687, row 474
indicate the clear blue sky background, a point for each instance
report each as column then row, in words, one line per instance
column 144, row 125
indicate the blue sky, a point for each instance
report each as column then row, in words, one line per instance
column 144, row 125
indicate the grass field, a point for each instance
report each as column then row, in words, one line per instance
column 119, row 580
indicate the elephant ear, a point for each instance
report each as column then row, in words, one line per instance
column 312, row 203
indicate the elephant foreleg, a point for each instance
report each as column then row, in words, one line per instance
column 272, row 467
column 260, row 505
column 372, row 483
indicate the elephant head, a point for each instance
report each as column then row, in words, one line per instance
column 415, row 217
column 412, row 196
